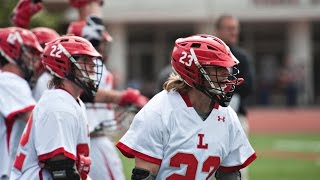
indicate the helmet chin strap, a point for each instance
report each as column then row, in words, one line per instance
column 214, row 98
column 78, row 82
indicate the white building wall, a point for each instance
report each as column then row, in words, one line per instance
column 300, row 51
column 118, row 53
column 298, row 13
column 201, row 10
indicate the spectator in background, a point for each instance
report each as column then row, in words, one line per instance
column 289, row 79
column 268, row 69
column 227, row 29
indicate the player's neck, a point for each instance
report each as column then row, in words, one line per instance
column 13, row 69
column 72, row 89
column 200, row 101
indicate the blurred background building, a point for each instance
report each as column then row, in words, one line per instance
column 282, row 36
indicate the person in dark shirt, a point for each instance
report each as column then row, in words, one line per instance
column 227, row 29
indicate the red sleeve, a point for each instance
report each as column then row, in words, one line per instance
column 12, row 115
column 131, row 153
column 55, row 152
column 237, row 168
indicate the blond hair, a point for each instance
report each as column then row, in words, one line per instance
column 176, row 83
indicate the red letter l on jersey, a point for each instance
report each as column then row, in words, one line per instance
column 201, row 145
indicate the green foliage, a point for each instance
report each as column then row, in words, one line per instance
column 6, row 8
column 46, row 19
column 42, row 18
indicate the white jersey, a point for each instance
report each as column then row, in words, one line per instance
column 15, row 98
column 58, row 125
column 97, row 112
column 169, row 132
column 105, row 162
column 101, row 112
column 41, row 85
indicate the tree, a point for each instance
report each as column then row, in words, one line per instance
column 43, row 18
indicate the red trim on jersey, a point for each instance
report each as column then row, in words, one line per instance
column 12, row 115
column 186, row 99
column 216, row 106
column 9, row 120
column 109, row 80
column 40, row 174
column 9, row 125
column 131, row 153
column 60, row 150
column 237, row 168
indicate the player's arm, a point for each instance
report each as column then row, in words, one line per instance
column 234, row 175
column 23, row 12
column 123, row 98
column 144, row 170
column 72, row 161
column 61, row 168
column 107, row 96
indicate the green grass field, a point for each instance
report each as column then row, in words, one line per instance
column 299, row 157
column 280, row 157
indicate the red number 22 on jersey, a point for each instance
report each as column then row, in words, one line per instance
column 192, row 163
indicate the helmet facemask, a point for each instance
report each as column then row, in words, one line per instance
column 218, row 83
column 26, row 62
column 85, row 71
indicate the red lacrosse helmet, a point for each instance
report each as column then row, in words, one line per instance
column 45, row 34
column 192, row 55
column 20, row 46
column 94, row 31
column 60, row 59
column 76, row 28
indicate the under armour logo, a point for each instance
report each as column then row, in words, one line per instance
column 221, row 118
